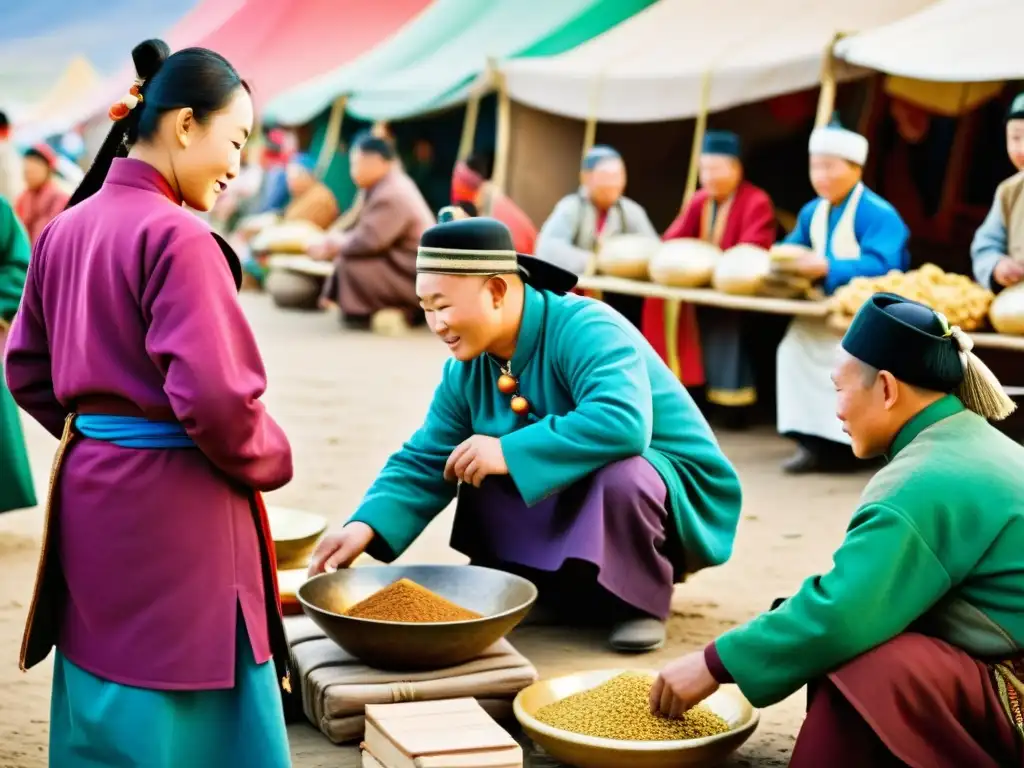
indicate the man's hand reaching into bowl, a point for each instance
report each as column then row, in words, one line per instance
column 339, row 549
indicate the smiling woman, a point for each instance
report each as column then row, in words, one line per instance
column 188, row 115
column 165, row 445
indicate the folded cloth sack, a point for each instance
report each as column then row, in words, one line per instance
column 335, row 687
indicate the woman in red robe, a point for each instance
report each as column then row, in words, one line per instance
column 726, row 211
column 42, row 199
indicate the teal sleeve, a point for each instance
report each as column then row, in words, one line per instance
column 884, row 577
column 14, row 257
column 613, row 415
column 411, row 490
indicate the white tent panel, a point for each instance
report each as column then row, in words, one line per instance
column 957, row 41
column 652, row 67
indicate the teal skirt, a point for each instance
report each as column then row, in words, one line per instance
column 17, row 490
column 95, row 723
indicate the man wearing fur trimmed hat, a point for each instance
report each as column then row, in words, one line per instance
column 848, row 231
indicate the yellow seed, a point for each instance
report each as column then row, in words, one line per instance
column 620, row 709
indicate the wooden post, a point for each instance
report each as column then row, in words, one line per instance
column 469, row 122
column 699, row 129
column 672, row 309
column 827, row 96
column 499, row 177
column 332, row 136
column 590, row 126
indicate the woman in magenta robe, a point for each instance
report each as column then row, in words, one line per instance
column 157, row 582
column 727, row 211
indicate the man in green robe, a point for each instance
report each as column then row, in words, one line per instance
column 16, row 488
column 911, row 646
column 579, row 459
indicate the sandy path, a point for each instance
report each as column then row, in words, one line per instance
column 347, row 400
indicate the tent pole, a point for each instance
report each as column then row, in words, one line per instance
column 332, row 137
column 589, row 134
column 699, row 129
column 590, row 126
column 672, row 308
column 469, row 122
column 827, row 97
column 502, row 141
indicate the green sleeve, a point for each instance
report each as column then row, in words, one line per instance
column 884, row 577
column 613, row 418
column 411, row 490
column 14, row 257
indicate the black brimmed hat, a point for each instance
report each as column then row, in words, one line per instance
column 483, row 246
column 911, row 341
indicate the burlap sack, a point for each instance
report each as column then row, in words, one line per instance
column 335, row 687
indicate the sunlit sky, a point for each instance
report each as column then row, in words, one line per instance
column 38, row 38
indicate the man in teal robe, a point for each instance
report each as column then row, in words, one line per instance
column 579, row 459
column 16, row 488
column 913, row 644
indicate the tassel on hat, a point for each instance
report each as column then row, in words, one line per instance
column 980, row 391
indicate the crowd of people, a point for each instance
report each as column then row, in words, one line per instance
column 579, row 457
column 847, row 231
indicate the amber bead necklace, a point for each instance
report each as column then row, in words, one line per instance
column 509, row 385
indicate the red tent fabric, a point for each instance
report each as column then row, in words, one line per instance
column 274, row 44
column 204, row 18
column 277, row 44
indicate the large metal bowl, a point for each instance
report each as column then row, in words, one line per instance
column 501, row 598
column 590, row 752
column 295, row 534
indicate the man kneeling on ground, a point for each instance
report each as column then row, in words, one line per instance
column 582, row 462
column 912, row 646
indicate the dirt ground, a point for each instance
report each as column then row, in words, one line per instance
column 347, row 400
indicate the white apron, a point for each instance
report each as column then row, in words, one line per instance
column 807, row 353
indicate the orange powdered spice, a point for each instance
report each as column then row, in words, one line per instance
column 407, row 601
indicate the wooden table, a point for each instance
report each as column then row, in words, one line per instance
column 703, row 296
column 795, row 307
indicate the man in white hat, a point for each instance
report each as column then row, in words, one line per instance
column 848, row 231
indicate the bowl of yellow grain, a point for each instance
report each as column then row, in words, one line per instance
column 416, row 617
column 602, row 719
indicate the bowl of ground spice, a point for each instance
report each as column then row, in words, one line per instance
column 602, row 719
column 416, row 617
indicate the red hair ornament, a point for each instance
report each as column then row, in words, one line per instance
column 119, row 110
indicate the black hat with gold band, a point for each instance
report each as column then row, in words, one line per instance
column 483, row 246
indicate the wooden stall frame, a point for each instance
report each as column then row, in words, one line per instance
column 332, row 136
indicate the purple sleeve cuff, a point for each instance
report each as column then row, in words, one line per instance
column 715, row 665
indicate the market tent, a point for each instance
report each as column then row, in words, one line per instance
column 79, row 76
column 276, row 44
column 414, row 41
column 203, row 17
column 38, row 39
column 498, row 30
column 653, row 67
column 957, row 41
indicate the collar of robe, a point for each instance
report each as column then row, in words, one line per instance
column 129, row 172
column 530, row 328
column 943, row 408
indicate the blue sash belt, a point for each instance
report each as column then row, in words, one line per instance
column 132, row 431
